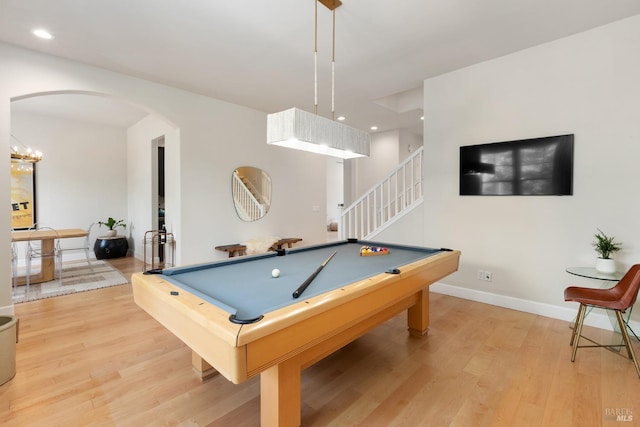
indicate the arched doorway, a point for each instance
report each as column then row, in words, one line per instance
column 91, row 143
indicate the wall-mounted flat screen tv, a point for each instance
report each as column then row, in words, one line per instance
column 537, row 166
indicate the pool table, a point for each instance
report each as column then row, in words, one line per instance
column 240, row 321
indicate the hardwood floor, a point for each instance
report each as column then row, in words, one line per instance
column 95, row 358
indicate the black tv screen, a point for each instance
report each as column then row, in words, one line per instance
column 537, row 166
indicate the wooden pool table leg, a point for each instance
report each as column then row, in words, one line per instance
column 201, row 367
column 418, row 315
column 280, row 394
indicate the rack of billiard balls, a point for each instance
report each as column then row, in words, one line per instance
column 373, row 250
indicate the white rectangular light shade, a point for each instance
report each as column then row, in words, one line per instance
column 301, row 130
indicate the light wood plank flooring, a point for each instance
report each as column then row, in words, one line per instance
column 95, row 358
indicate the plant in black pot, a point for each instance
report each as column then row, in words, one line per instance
column 605, row 246
column 112, row 225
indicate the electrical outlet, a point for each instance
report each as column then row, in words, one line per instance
column 485, row 275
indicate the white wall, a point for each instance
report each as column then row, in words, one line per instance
column 213, row 137
column 384, row 157
column 409, row 142
column 93, row 158
column 335, row 186
column 409, row 230
column 141, row 178
column 388, row 150
column 588, row 85
column 6, row 306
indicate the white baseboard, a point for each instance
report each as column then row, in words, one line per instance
column 597, row 318
column 7, row 310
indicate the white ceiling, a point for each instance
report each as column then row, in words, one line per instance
column 84, row 108
column 259, row 53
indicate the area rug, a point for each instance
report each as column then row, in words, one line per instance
column 76, row 277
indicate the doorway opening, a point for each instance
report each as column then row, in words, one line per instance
column 159, row 181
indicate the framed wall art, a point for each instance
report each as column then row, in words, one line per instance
column 23, row 194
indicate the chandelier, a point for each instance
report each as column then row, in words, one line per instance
column 27, row 155
column 301, row 130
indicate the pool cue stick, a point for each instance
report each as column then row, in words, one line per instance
column 306, row 283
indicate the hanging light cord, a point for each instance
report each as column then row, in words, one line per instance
column 333, row 68
column 315, row 65
column 333, row 65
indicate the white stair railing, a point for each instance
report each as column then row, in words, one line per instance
column 387, row 201
column 265, row 190
column 249, row 208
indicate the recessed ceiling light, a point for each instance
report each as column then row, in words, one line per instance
column 374, row 128
column 42, row 33
column 421, row 117
column 342, row 118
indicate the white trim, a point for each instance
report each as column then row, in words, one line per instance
column 409, row 195
column 7, row 310
column 419, row 201
column 597, row 319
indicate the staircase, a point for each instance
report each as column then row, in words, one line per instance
column 388, row 201
column 247, row 199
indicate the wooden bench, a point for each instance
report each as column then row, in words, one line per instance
column 233, row 250
column 286, row 241
column 240, row 250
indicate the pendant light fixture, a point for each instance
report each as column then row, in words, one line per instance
column 25, row 155
column 301, row 130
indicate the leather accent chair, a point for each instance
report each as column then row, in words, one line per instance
column 618, row 298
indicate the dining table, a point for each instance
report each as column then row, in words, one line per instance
column 47, row 237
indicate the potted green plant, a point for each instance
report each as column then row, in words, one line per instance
column 605, row 246
column 112, row 224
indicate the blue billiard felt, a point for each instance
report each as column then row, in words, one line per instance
column 244, row 286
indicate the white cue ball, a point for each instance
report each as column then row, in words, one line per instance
column 275, row 272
